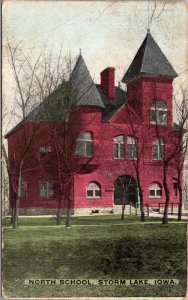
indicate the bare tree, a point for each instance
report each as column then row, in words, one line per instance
column 136, row 146
column 170, row 151
column 182, row 145
column 60, row 111
column 28, row 104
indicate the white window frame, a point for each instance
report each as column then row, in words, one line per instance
column 94, row 187
column 84, row 143
column 118, row 141
column 47, row 189
column 45, row 149
column 132, row 146
column 157, row 108
column 23, row 188
column 175, row 187
column 160, row 149
column 155, row 187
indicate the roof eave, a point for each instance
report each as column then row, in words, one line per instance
column 127, row 79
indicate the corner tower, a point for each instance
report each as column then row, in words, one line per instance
column 149, row 83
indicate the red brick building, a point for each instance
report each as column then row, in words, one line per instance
column 117, row 138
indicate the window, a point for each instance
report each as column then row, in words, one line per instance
column 93, row 190
column 46, row 189
column 158, row 150
column 23, row 188
column 132, row 148
column 155, row 191
column 118, row 144
column 175, row 187
column 46, row 149
column 84, row 145
column 158, row 113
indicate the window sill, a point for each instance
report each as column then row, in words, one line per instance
column 115, row 158
column 158, row 159
column 83, row 156
column 93, row 198
column 46, row 198
column 132, row 158
column 160, row 124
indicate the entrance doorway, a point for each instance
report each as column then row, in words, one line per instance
column 125, row 190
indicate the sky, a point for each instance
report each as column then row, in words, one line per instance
column 108, row 33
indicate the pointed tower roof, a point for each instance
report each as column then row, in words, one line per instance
column 149, row 60
column 86, row 91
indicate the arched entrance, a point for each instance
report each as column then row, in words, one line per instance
column 125, row 190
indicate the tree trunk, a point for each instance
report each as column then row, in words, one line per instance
column 141, row 205
column 180, row 201
column 15, row 214
column 167, row 194
column 142, row 217
column 17, row 203
column 58, row 217
column 11, row 218
column 68, row 218
column 123, row 209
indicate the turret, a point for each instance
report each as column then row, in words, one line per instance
column 149, row 83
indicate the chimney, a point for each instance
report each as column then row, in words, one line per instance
column 107, row 82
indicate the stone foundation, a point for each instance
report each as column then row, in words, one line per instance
column 53, row 211
column 39, row 211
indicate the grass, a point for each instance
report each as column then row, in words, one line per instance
column 96, row 247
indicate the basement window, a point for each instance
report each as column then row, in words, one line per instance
column 155, row 191
column 93, row 190
column 46, row 189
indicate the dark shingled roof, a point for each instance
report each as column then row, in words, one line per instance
column 112, row 105
column 84, row 89
column 110, row 112
column 87, row 93
column 149, row 60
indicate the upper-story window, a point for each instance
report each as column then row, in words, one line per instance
column 118, row 145
column 93, row 190
column 158, row 113
column 84, row 144
column 132, row 148
column 158, row 150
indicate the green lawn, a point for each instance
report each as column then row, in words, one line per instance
column 96, row 247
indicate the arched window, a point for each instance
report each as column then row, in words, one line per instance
column 158, row 113
column 118, row 145
column 158, row 150
column 84, row 145
column 155, row 191
column 93, row 190
column 132, row 147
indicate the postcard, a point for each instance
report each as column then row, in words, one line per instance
column 94, row 149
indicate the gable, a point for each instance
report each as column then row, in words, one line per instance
column 125, row 115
